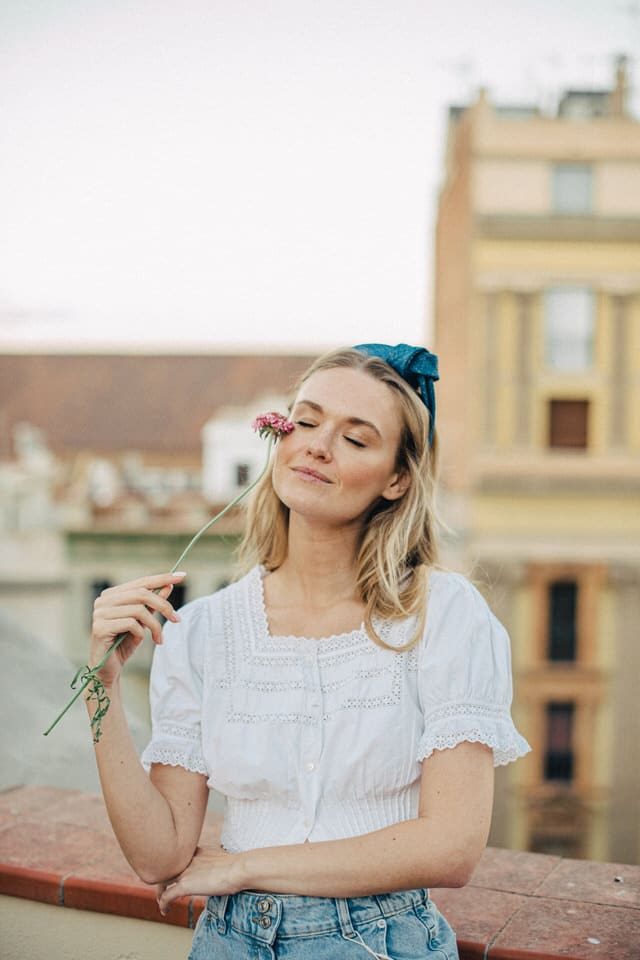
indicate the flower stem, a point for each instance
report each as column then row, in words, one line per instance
column 89, row 674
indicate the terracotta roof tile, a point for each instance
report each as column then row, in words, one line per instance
column 154, row 404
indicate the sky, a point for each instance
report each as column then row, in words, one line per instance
column 210, row 175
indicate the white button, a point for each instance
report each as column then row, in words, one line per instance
column 382, row 923
column 309, row 767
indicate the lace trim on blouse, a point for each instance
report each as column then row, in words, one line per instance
column 173, row 756
column 176, row 746
column 453, row 723
column 350, row 642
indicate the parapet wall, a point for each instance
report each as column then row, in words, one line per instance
column 57, row 849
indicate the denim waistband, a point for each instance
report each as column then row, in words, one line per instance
column 267, row 915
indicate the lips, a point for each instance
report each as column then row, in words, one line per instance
column 312, row 474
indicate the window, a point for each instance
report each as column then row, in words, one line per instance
column 572, row 188
column 178, row 596
column 97, row 586
column 559, row 758
column 568, row 424
column 242, row 474
column 95, row 589
column 569, row 327
column 563, row 597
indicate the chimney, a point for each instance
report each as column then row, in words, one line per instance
column 618, row 98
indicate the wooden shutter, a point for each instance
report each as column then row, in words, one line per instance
column 568, row 423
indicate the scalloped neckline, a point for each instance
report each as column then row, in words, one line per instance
column 292, row 637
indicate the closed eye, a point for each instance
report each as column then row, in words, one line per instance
column 308, row 424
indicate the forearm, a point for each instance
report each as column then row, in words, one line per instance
column 411, row 854
column 141, row 817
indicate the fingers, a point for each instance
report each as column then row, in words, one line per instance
column 138, row 614
column 126, row 619
column 131, row 607
column 140, row 591
column 152, row 581
column 210, row 872
column 118, row 626
column 167, row 894
column 121, row 596
column 157, row 581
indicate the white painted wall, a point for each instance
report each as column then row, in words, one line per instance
column 228, row 440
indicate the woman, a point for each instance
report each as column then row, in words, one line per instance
column 349, row 699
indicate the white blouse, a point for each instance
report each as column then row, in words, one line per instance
column 323, row 739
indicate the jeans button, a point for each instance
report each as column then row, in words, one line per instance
column 265, row 922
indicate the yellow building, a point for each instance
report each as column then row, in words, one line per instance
column 538, row 330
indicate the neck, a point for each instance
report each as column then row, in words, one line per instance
column 320, row 564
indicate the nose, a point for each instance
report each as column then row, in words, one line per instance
column 319, row 445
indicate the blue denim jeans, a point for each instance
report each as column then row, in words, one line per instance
column 269, row 926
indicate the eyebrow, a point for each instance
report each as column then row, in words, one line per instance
column 356, row 421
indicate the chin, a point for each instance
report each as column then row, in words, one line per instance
column 313, row 514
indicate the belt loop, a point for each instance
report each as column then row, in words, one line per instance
column 381, row 902
column 218, row 906
column 344, row 917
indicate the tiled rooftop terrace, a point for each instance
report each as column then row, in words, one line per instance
column 57, row 848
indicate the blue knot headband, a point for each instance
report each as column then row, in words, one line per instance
column 415, row 365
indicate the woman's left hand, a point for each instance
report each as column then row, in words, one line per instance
column 210, row 872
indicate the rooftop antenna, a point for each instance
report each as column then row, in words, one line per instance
column 631, row 11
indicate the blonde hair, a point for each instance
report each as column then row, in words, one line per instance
column 397, row 546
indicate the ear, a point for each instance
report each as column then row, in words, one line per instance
column 397, row 486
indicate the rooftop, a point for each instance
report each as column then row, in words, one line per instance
column 56, row 848
column 157, row 405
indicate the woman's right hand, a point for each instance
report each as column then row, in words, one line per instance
column 129, row 608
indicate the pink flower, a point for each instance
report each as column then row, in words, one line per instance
column 272, row 423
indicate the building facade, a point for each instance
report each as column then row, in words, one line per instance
column 537, row 312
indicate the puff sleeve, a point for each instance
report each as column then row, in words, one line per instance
column 464, row 674
column 176, row 693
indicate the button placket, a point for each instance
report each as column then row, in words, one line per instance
column 311, row 735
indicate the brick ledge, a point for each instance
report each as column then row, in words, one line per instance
column 56, row 847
